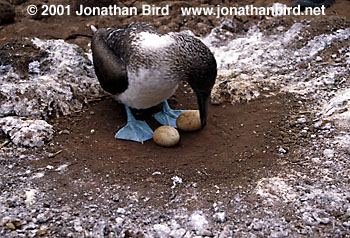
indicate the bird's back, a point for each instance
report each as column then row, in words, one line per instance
column 125, row 42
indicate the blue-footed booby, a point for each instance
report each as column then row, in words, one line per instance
column 142, row 67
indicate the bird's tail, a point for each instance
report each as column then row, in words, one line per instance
column 93, row 28
column 74, row 36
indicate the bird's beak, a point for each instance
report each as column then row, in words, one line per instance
column 203, row 102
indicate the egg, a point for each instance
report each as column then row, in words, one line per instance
column 189, row 121
column 166, row 136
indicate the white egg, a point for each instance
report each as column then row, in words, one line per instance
column 166, row 136
column 189, row 121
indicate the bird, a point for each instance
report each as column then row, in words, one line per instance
column 313, row 3
column 141, row 67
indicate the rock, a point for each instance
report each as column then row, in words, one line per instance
column 204, row 232
column 121, row 210
column 66, row 132
column 318, row 124
column 43, row 217
column 279, row 234
column 327, row 126
column 198, row 221
column 316, row 160
column 329, row 153
column 17, row 224
column 282, row 150
column 301, row 120
column 161, row 230
column 119, row 221
column 41, row 232
column 24, row 132
column 295, row 160
column 115, row 197
column 227, row 232
column 77, row 226
column 55, row 88
column 346, row 223
column 220, row 217
column 11, row 226
column 99, row 228
column 178, row 233
column 7, row 13
column 256, row 225
column 189, row 234
column 176, row 180
column 321, row 219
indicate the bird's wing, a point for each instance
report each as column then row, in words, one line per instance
column 109, row 66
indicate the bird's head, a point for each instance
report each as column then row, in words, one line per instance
column 202, row 87
column 201, row 77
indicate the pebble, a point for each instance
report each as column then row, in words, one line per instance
column 279, row 234
column 43, row 217
column 119, row 221
column 346, row 223
column 329, row 153
column 178, row 233
column 77, row 226
column 227, row 232
column 318, row 59
column 203, row 232
column 318, row 124
column 321, row 220
column 220, row 217
column 295, row 159
column 198, row 221
column 338, row 60
column 327, row 126
column 66, row 132
column 316, row 160
column 324, row 221
column 41, row 232
column 11, row 225
column 115, row 197
column 256, row 225
column 161, row 230
column 189, row 234
column 301, row 120
column 282, row 150
column 121, row 210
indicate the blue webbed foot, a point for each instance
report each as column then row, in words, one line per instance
column 134, row 130
column 167, row 117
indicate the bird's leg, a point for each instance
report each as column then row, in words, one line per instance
column 134, row 130
column 167, row 116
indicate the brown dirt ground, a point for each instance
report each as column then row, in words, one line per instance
column 238, row 146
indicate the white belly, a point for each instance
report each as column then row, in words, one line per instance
column 148, row 88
